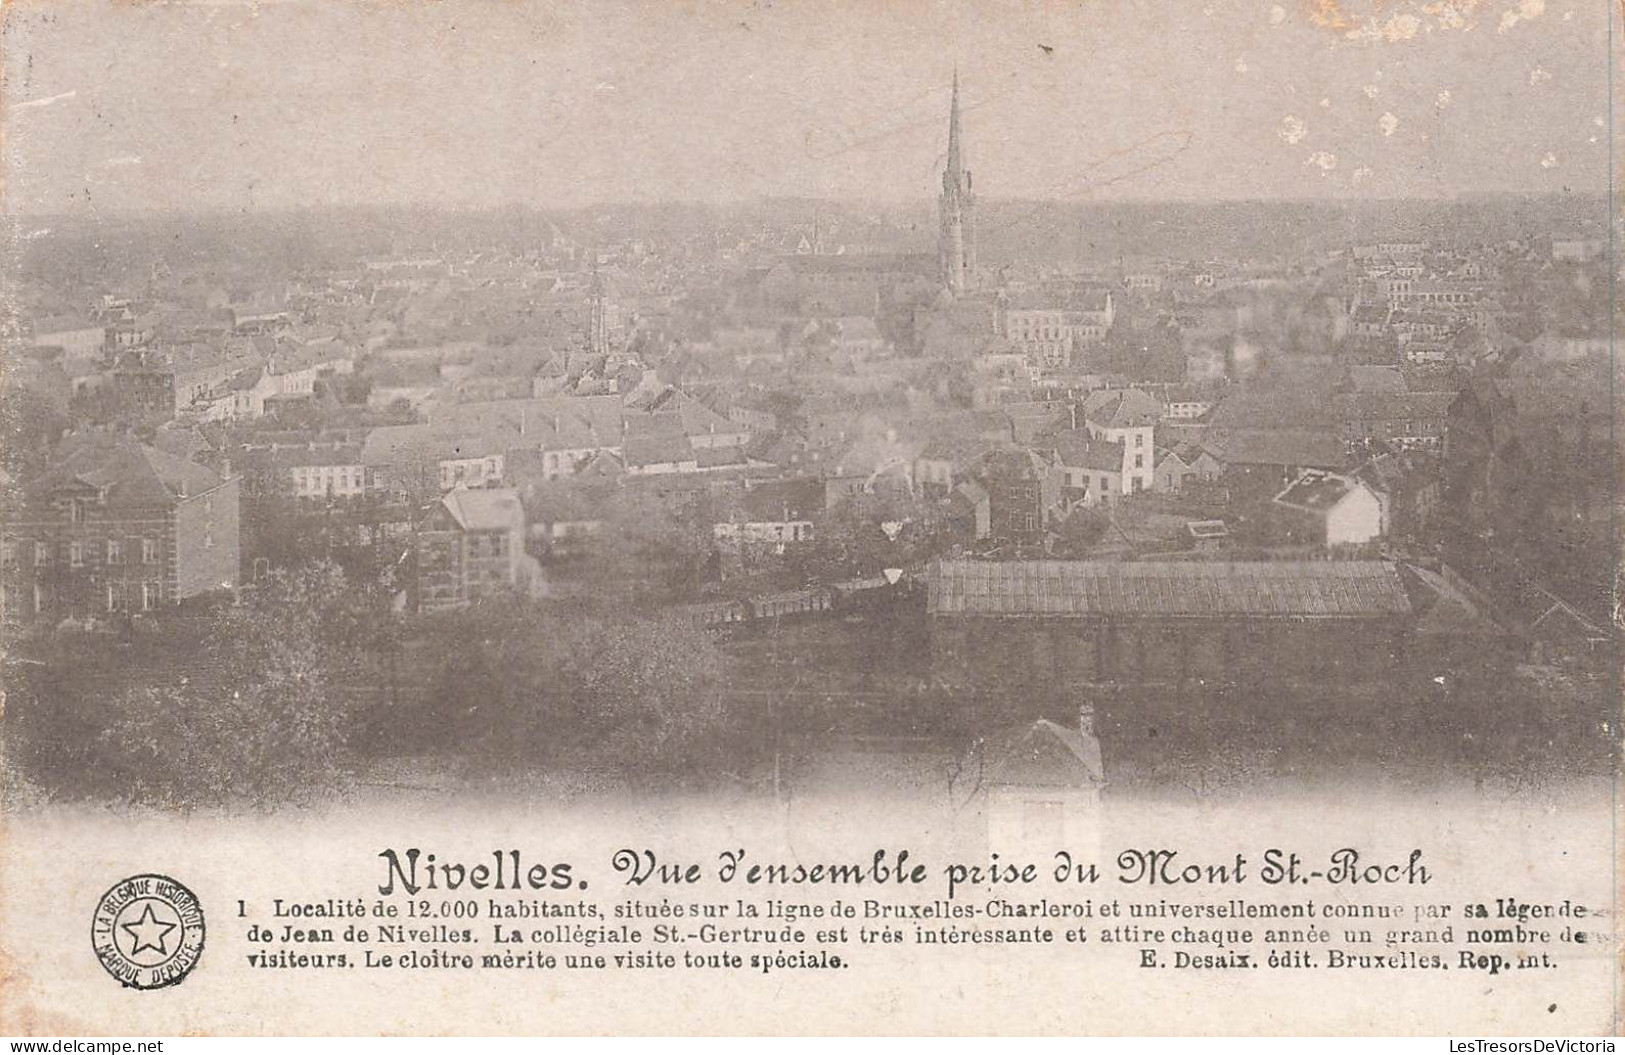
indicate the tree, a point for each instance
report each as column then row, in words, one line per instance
column 269, row 723
column 527, row 681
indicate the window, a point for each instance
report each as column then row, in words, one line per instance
column 150, row 594
column 208, row 536
column 42, row 554
column 115, row 596
column 1105, row 484
column 1139, row 461
column 1139, row 439
column 115, row 551
column 76, row 554
column 149, row 551
column 8, row 554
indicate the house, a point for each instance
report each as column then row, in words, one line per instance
column 471, row 544
column 76, row 336
column 1037, row 784
column 1409, row 485
column 1343, row 510
column 115, row 526
column 943, row 462
column 776, row 512
column 704, row 427
column 1187, row 403
column 1172, row 470
column 165, row 380
column 1561, row 632
column 1022, row 491
column 1126, row 416
column 431, row 459
column 1091, row 469
column 971, row 510
column 1401, row 420
column 1257, row 463
column 656, row 444
column 334, row 472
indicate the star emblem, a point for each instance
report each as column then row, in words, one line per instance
column 149, row 932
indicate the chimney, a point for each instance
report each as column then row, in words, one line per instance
column 1086, row 720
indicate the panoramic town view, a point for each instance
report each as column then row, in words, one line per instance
column 1034, row 500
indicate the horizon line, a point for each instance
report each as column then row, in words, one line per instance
column 768, row 199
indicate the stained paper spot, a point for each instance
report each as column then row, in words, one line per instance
column 1524, row 11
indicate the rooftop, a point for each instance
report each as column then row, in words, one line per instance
column 1167, row 590
column 1317, row 491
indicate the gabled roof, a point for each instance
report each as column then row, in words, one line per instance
column 1165, row 455
column 124, row 471
column 781, row 501
column 1075, row 449
column 1316, row 448
column 656, row 439
column 1387, row 406
column 485, row 509
column 1120, row 409
column 1042, row 755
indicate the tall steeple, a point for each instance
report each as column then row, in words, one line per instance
column 956, row 243
column 597, row 320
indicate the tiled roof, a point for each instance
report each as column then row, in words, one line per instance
column 1317, row 448
column 1382, row 406
column 1150, row 589
column 131, row 473
column 1078, row 451
column 478, row 509
column 1127, row 408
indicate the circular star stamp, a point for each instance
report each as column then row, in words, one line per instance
column 148, row 931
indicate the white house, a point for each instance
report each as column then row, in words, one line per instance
column 1349, row 510
column 1127, row 416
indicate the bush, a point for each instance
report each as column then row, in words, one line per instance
column 268, row 723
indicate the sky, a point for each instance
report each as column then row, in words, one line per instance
column 232, row 104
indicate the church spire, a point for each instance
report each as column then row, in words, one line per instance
column 956, row 243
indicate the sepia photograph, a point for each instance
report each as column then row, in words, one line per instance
column 930, row 516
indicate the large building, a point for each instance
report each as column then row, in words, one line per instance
column 1025, row 627
column 116, row 527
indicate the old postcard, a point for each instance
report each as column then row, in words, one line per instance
column 777, row 518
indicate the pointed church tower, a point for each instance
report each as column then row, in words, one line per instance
column 598, row 320
column 956, row 244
